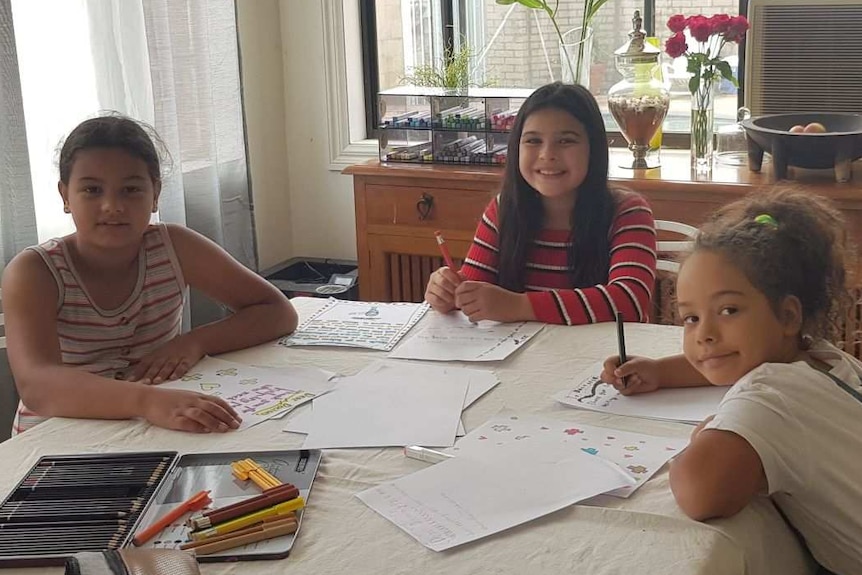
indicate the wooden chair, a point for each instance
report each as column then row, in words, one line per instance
column 664, row 308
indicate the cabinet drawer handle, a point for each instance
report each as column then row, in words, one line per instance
column 424, row 206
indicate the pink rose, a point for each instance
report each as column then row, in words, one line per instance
column 676, row 23
column 675, row 46
column 736, row 29
column 700, row 28
column 719, row 23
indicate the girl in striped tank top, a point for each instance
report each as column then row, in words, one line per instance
column 93, row 319
column 557, row 245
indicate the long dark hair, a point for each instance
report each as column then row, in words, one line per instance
column 522, row 214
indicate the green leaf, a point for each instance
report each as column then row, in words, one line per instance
column 506, row 2
column 693, row 66
column 693, row 83
column 725, row 69
column 534, row 4
column 593, row 8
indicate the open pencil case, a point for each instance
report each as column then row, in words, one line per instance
column 97, row 502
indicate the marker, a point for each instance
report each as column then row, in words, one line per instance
column 425, row 454
column 621, row 342
column 198, row 501
column 444, row 249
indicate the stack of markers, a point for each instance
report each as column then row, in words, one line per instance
column 268, row 515
column 471, row 150
column 461, row 118
column 503, row 121
column 416, row 153
column 412, row 119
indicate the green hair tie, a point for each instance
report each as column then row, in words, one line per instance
column 766, row 220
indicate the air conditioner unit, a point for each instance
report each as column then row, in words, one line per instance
column 804, row 56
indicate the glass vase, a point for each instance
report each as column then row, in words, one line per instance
column 702, row 125
column 575, row 55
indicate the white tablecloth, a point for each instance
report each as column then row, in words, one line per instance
column 641, row 535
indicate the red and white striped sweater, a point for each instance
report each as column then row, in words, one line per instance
column 630, row 277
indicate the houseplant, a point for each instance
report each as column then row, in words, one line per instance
column 710, row 34
column 590, row 9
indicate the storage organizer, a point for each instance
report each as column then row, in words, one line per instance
column 435, row 125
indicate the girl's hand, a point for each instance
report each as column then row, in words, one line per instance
column 170, row 361
column 188, row 411
column 440, row 293
column 700, row 427
column 481, row 300
column 641, row 374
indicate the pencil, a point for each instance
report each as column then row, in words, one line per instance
column 444, row 249
column 250, row 519
column 621, row 342
column 266, row 533
column 267, row 523
column 268, row 498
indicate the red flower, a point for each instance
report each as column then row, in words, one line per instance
column 719, row 23
column 676, row 45
column 700, row 28
column 676, row 23
column 736, row 29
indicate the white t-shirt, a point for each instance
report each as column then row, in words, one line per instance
column 808, row 433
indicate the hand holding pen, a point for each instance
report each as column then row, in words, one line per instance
column 440, row 293
column 641, row 374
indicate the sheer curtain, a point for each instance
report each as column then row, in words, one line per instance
column 17, row 216
column 171, row 63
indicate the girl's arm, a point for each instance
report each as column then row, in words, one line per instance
column 49, row 388
column 260, row 311
column 484, row 254
column 717, row 475
column 631, row 276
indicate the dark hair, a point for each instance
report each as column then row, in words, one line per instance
column 521, row 211
column 112, row 131
column 796, row 249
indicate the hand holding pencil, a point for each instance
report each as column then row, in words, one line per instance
column 641, row 374
column 440, row 293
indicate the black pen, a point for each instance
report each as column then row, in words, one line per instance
column 621, row 342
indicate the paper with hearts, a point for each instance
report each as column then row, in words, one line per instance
column 256, row 393
column 345, row 323
column 638, row 454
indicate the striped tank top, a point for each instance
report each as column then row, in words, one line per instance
column 108, row 342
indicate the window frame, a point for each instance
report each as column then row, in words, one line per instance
column 370, row 72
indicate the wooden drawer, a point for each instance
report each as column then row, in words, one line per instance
column 425, row 207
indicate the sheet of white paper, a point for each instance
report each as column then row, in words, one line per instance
column 451, row 337
column 479, row 382
column 357, row 324
column 686, row 405
column 299, row 420
column 382, row 411
column 466, row 498
column 638, row 454
column 256, row 393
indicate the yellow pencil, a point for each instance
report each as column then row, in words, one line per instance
column 250, row 519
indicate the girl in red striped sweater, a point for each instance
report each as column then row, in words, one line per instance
column 93, row 319
column 558, row 245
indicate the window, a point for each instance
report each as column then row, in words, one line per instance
column 509, row 45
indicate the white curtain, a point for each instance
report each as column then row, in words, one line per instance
column 171, row 63
column 17, row 216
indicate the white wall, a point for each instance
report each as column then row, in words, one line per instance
column 259, row 27
column 302, row 208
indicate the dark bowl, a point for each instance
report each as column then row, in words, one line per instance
column 837, row 148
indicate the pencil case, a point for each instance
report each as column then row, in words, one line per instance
column 70, row 504
column 132, row 562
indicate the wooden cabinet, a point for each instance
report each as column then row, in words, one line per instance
column 399, row 206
